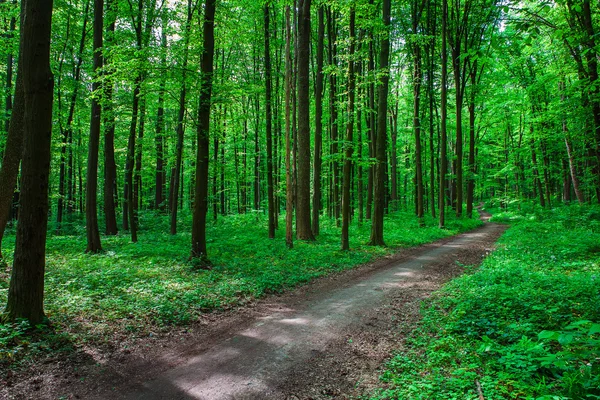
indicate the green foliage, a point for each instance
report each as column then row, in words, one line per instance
column 525, row 325
column 135, row 287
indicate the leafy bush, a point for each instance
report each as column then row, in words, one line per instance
column 525, row 325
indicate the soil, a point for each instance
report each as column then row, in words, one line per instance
column 325, row 340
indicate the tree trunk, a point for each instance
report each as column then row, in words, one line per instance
column 174, row 191
column 199, row 253
column 289, row 193
column 91, row 206
column 110, row 167
column 349, row 138
column 471, row 175
column 380, row 166
column 9, row 81
column 443, row 117
column 303, row 226
column 333, row 117
column 159, row 177
column 12, row 154
column 319, row 80
column 417, row 81
column 26, row 290
column 269, row 123
column 68, row 131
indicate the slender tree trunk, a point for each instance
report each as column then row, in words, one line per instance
column 349, row 138
column 129, row 217
column 174, row 192
column 269, row 123
column 110, row 167
column 26, row 290
column 394, row 161
column 199, row 252
column 319, row 80
column 471, row 175
column 9, row 81
column 159, row 177
column 381, row 143
column 333, row 116
column 443, row 117
column 68, row 132
column 289, row 193
column 91, row 206
column 536, row 175
column 417, row 81
column 12, row 154
column 303, row 226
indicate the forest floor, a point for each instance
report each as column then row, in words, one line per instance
column 327, row 339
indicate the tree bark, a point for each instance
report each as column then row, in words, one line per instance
column 199, row 253
column 67, row 137
column 180, row 120
column 349, row 137
column 319, row 80
column 443, row 117
column 269, row 124
column 26, row 290
column 303, row 226
column 110, row 167
column 12, row 154
column 289, row 192
column 91, row 206
column 381, row 143
column 159, row 175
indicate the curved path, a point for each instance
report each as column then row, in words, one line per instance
column 301, row 348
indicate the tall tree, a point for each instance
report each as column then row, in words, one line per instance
column 349, row 136
column 443, row 117
column 110, row 167
column 289, row 191
column 303, row 226
column 176, row 175
column 319, row 80
column 269, row 123
column 381, row 142
column 91, row 206
column 12, row 155
column 26, row 290
column 199, row 253
column 67, row 132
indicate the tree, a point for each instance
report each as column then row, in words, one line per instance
column 269, row 122
column 91, row 208
column 110, row 167
column 289, row 193
column 381, row 142
column 180, row 120
column 319, row 80
column 199, row 253
column 303, row 226
column 26, row 290
column 349, row 137
column 12, row 155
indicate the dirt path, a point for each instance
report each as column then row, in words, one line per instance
column 325, row 340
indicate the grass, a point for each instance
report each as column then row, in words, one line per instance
column 526, row 325
column 133, row 288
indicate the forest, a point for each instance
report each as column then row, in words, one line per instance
column 161, row 160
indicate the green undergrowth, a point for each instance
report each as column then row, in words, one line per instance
column 525, row 325
column 134, row 288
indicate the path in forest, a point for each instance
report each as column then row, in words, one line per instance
column 326, row 343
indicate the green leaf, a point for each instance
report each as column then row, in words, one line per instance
column 565, row 338
column 547, row 335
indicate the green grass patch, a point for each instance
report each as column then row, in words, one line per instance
column 526, row 325
column 136, row 287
